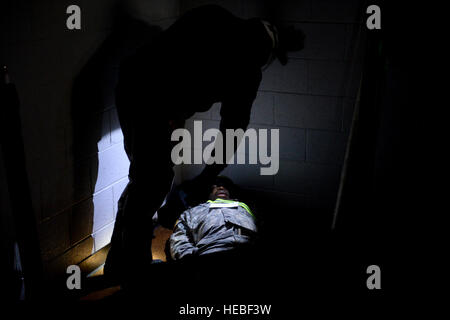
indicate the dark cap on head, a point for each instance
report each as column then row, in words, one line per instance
column 225, row 182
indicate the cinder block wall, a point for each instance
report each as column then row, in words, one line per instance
column 75, row 158
column 310, row 101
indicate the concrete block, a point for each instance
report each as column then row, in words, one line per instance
column 308, row 212
column 153, row 10
column 56, row 189
column 322, row 42
column 43, row 63
column 304, row 111
column 94, row 261
column 79, row 252
column 262, row 109
column 34, row 181
column 293, row 203
column 325, row 146
column 112, row 166
column 234, row 6
column 42, row 105
column 292, row 143
column 103, row 209
column 290, row 10
column 314, row 180
column 248, row 175
column 290, row 78
column 294, row 177
column 339, row 11
column 46, row 20
column 328, row 78
column 44, row 128
column 353, row 77
column 81, row 222
column 347, row 116
column 82, row 187
column 294, row 10
column 103, row 237
column 97, row 15
column 190, row 171
column 75, row 57
column 54, row 237
column 354, row 41
column 55, row 267
column 17, row 16
column 253, row 8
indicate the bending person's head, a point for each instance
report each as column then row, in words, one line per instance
column 289, row 40
column 274, row 42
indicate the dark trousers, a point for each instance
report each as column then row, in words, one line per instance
column 148, row 146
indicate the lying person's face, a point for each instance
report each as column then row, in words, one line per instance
column 219, row 191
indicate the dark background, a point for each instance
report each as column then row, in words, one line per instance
column 73, row 147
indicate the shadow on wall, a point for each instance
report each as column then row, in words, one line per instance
column 92, row 95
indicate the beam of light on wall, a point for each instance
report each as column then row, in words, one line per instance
column 112, row 173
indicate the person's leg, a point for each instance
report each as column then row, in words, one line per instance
column 142, row 201
column 113, row 268
column 132, row 236
column 147, row 143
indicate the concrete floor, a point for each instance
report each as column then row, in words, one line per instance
column 159, row 242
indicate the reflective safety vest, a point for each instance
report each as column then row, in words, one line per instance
column 222, row 203
column 212, row 226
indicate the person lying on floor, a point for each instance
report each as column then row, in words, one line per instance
column 218, row 225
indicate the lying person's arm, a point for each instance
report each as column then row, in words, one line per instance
column 181, row 243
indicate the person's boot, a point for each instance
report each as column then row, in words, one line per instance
column 113, row 269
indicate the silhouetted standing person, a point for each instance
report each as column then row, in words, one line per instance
column 206, row 56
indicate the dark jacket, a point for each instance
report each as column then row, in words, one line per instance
column 211, row 227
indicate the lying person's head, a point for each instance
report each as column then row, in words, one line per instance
column 222, row 188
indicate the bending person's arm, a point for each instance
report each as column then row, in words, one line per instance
column 235, row 114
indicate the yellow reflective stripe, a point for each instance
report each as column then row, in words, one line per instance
column 176, row 223
column 243, row 205
column 218, row 200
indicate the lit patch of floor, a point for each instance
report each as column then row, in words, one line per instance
column 97, row 272
column 159, row 243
